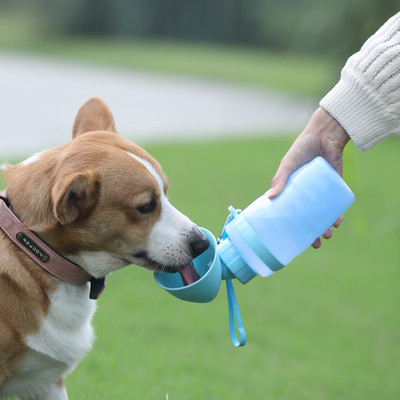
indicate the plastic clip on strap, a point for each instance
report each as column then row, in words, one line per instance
column 234, row 316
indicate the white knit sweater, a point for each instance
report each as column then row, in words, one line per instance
column 366, row 100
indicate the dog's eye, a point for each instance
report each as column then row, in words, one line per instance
column 148, row 207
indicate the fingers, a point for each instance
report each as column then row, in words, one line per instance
column 328, row 233
column 317, row 243
column 338, row 222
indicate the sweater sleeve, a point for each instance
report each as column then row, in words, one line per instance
column 366, row 100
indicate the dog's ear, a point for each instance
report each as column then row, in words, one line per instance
column 94, row 115
column 75, row 196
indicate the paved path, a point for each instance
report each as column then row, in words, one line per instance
column 39, row 98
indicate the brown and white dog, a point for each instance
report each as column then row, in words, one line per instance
column 100, row 202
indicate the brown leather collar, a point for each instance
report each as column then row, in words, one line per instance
column 43, row 254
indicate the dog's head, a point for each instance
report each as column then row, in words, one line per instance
column 101, row 200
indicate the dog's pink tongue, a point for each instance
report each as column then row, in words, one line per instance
column 189, row 275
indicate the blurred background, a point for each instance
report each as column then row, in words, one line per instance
column 217, row 90
column 315, row 27
column 292, row 50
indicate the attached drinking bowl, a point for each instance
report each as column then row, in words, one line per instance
column 207, row 265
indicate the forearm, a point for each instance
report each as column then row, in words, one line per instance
column 366, row 100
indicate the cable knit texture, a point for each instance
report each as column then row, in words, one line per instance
column 366, row 100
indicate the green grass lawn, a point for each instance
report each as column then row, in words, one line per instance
column 325, row 327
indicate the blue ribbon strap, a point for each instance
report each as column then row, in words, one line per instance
column 234, row 316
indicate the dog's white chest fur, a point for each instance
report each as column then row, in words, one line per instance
column 64, row 338
column 66, row 334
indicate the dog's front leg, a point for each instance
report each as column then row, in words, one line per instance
column 56, row 391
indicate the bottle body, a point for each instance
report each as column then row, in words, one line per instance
column 312, row 200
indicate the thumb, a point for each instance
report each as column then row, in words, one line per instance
column 277, row 185
column 279, row 180
column 288, row 165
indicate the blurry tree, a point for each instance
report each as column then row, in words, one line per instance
column 324, row 26
column 320, row 26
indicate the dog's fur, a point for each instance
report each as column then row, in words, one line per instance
column 101, row 202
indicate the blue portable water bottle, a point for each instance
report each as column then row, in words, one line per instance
column 265, row 237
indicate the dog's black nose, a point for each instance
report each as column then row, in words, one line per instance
column 198, row 242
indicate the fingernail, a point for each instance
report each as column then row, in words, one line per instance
column 271, row 192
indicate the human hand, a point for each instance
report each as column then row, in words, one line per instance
column 323, row 136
